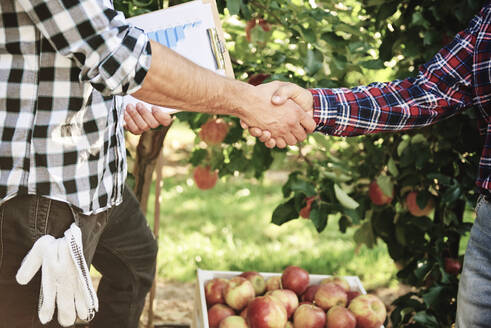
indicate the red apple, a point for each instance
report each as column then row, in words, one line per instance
column 413, row 207
column 377, row 195
column 214, row 291
column 340, row 281
column 214, row 131
column 309, row 294
column 352, row 295
column 340, row 317
column 258, row 78
column 296, row 279
column 256, row 280
column 288, row 298
column 266, row 312
column 204, row 177
column 305, row 211
column 238, row 293
column 329, row 295
column 452, row 266
column 234, row 321
column 273, row 283
column 309, row 316
column 369, row 311
column 217, row 313
column 249, row 26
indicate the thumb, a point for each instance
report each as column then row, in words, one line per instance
column 299, row 95
column 33, row 260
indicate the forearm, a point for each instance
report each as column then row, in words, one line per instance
column 173, row 81
column 383, row 107
column 443, row 87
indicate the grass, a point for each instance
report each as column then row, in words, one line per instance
column 228, row 228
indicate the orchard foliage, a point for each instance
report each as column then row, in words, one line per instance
column 343, row 44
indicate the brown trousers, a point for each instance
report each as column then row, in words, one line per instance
column 117, row 242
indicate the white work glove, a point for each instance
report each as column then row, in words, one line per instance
column 65, row 278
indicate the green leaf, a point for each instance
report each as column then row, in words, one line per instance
column 344, row 223
column 371, row 3
column 303, row 186
column 402, row 146
column 373, row 64
column 233, row 6
column 284, row 212
column 385, row 185
column 422, row 271
column 262, row 158
column 451, row 195
column 387, row 10
column 392, row 167
column 422, row 199
column 418, row 138
column 355, row 215
column 433, row 295
column 318, row 216
column 313, row 61
column 344, row 199
column 449, row 217
column 419, row 20
column 309, row 35
column 383, row 222
column 426, row 320
column 336, row 177
column 364, row 235
column 321, row 140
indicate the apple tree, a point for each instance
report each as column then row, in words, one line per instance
column 409, row 190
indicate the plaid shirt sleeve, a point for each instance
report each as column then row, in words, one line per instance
column 112, row 55
column 443, row 87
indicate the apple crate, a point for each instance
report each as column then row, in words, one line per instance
column 200, row 315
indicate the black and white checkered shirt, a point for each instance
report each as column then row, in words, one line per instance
column 62, row 62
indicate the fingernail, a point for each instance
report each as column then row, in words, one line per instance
column 276, row 99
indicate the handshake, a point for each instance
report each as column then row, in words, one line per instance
column 278, row 113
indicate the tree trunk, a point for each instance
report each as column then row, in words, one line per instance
column 147, row 153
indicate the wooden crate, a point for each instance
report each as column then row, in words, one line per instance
column 200, row 316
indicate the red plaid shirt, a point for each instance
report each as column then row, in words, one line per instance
column 457, row 78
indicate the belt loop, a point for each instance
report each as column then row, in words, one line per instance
column 76, row 218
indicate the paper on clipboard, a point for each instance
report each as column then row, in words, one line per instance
column 191, row 29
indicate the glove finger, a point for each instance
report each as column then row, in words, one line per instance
column 33, row 260
column 73, row 238
column 81, row 304
column 66, row 286
column 49, row 274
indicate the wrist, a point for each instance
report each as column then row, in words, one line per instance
column 239, row 97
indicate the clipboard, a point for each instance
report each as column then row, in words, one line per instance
column 192, row 29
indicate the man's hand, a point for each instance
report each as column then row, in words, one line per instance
column 287, row 123
column 139, row 119
column 283, row 92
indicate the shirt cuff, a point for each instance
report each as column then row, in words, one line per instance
column 325, row 109
column 125, row 69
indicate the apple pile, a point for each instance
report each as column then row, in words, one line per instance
column 289, row 300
